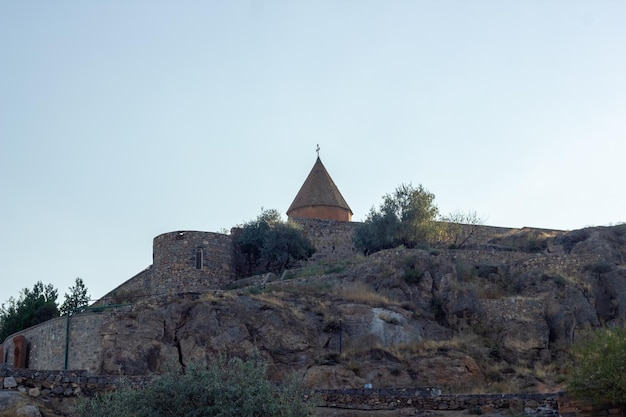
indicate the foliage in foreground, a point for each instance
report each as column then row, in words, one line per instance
column 268, row 244
column 405, row 217
column 599, row 372
column 224, row 387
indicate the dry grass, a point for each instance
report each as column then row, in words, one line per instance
column 362, row 294
column 275, row 300
column 216, row 296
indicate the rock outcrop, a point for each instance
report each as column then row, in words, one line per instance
column 453, row 318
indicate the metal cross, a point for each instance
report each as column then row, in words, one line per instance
column 318, row 150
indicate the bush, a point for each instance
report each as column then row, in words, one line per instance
column 267, row 244
column 599, row 372
column 406, row 217
column 225, row 387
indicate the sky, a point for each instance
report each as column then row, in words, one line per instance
column 122, row 120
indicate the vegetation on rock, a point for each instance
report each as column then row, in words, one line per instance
column 224, row 387
column 268, row 244
column 599, row 372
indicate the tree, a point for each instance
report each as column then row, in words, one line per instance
column 405, row 217
column 599, row 371
column 458, row 227
column 224, row 387
column 32, row 307
column 270, row 244
column 76, row 300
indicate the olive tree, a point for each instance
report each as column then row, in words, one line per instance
column 405, row 217
column 268, row 244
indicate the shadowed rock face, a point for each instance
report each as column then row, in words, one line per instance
column 460, row 319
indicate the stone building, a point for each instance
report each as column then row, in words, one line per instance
column 319, row 198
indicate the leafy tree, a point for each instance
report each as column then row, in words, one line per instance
column 599, row 371
column 76, row 300
column 405, row 217
column 32, row 307
column 270, row 244
column 225, row 387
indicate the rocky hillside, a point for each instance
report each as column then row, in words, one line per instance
column 497, row 318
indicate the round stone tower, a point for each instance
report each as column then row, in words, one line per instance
column 191, row 261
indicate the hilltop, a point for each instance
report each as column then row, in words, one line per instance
column 498, row 317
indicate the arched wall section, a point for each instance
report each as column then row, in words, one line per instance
column 191, row 261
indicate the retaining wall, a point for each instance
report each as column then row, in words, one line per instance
column 47, row 343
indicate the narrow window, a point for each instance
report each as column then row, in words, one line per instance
column 199, row 258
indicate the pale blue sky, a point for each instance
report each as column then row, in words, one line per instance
column 122, row 120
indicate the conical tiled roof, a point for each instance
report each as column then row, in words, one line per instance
column 318, row 189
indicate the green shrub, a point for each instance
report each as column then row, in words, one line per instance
column 225, row 387
column 599, row 372
column 406, row 217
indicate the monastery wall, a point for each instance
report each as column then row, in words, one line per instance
column 47, row 343
column 332, row 239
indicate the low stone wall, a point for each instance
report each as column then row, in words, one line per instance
column 63, row 383
column 385, row 399
column 46, row 384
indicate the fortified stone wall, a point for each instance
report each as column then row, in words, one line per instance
column 189, row 261
column 183, row 261
column 137, row 287
column 47, row 343
column 332, row 239
column 521, row 262
column 176, row 268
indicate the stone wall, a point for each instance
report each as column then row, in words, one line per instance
column 177, row 269
column 175, row 265
column 47, row 343
column 385, row 399
column 137, row 287
column 63, row 383
column 523, row 262
column 332, row 239
column 59, row 384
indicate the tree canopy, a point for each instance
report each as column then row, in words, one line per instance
column 405, row 217
column 39, row 304
column 268, row 244
column 30, row 308
column 76, row 300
